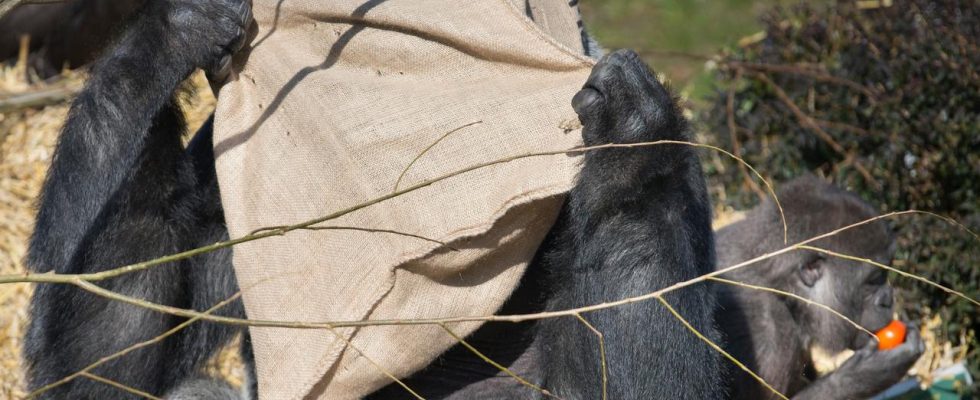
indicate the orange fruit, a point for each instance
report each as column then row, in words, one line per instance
column 891, row 336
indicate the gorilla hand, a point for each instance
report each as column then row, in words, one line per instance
column 625, row 200
column 205, row 33
column 868, row 372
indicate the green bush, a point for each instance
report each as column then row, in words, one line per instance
column 884, row 101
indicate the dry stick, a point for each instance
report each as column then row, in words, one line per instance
column 801, row 116
column 354, row 228
column 500, row 367
column 717, row 348
column 602, row 353
column 809, row 123
column 120, row 386
column 844, row 127
column 184, row 325
column 576, row 312
column 426, row 150
column 130, row 349
column 374, row 363
column 733, row 132
column 280, row 231
column 797, row 297
column 893, row 269
column 484, row 318
column 7, row 5
column 38, row 98
column 809, row 72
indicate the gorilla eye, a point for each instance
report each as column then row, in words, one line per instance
column 877, row 278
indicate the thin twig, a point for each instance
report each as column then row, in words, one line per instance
column 804, row 119
column 602, row 353
column 812, row 125
column 38, row 98
column 797, row 297
column 374, row 363
column 500, row 367
column 895, row 270
column 844, row 127
column 816, row 74
column 717, row 348
column 280, row 231
column 733, row 133
column 485, row 318
column 426, row 150
column 354, row 228
column 130, row 349
column 120, row 386
column 7, row 5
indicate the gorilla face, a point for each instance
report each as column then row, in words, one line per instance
column 858, row 290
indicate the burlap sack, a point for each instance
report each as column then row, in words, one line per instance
column 335, row 100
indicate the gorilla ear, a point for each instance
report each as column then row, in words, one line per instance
column 811, row 271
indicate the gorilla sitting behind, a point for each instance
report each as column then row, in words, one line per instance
column 776, row 336
column 122, row 189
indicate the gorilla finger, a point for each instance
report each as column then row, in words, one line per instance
column 585, row 101
column 913, row 340
column 221, row 69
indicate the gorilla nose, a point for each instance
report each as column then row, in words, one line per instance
column 884, row 297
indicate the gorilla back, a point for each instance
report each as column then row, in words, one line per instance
column 121, row 189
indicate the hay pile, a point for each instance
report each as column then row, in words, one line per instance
column 26, row 140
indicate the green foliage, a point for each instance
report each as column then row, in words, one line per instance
column 666, row 32
column 896, row 91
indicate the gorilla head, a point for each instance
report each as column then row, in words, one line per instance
column 779, row 337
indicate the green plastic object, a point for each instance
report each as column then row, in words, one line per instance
column 950, row 382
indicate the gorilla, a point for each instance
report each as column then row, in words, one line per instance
column 64, row 34
column 775, row 335
column 122, row 188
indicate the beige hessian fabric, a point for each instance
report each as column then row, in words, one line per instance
column 335, row 100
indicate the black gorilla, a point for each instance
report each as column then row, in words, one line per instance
column 122, row 189
column 69, row 33
column 775, row 335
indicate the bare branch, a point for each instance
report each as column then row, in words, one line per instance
column 485, row 318
column 426, row 150
column 797, row 297
column 815, row 74
column 895, row 270
column 496, row 364
column 717, row 348
column 39, row 98
column 602, row 353
column 120, row 386
column 85, row 371
column 733, row 133
column 282, row 230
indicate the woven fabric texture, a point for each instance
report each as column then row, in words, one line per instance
column 328, row 107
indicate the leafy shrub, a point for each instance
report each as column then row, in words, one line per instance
column 884, row 101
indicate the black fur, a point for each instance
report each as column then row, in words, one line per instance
column 64, row 34
column 774, row 335
column 122, row 190
column 636, row 221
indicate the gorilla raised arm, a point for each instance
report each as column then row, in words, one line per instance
column 636, row 221
column 122, row 190
column 776, row 336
